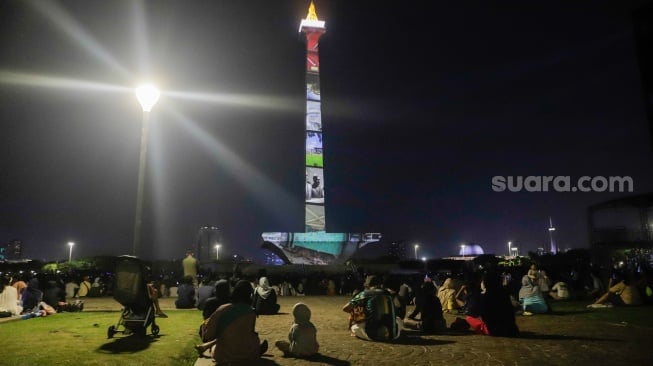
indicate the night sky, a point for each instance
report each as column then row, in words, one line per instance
column 423, row 102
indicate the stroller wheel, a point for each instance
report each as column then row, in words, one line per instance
column 155, row 329
column 111, row 331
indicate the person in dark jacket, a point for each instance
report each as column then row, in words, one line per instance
column 185, row 294
column 32, row 296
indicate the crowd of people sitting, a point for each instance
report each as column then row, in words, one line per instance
column 484, row 302
column 36, row 298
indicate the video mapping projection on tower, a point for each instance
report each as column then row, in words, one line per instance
column 315, row 245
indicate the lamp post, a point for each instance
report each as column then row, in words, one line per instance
column 70, row 253
column 416, row 247
column 509, row 245
column 462, row 248
column 147, row 96
column 217, row 252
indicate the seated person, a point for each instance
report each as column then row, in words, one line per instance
column 55, row 296
column 403, row 297
column 559, row 291
column 620, row 292
column 185, row 294
column 530, row 295
column 222, row 296
column 372, row 315
column 97, row 288
column 469, row 299
column 154, row 296
column 496, row 308
column 431, row 318
column 204, row 291
column 32, row 296
column 8, row 301
column 230, row 330
column 265, row 298
column 447, row 294
column 302, row 336
column 84, row 287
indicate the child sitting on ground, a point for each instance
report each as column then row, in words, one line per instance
column 302, row 335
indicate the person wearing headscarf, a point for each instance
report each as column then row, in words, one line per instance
column 265, row 298
column 230, row 330
column 496, row 308
column 431, row 318
column 302, row 336
column 32, row 296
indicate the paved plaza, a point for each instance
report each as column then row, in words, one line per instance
column 562, row 338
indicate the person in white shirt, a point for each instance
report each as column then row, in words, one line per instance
column 559, row 291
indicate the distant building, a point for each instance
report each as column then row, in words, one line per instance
column 208, row 237
column 12, row 250
column 471, row 250
column 397, row 250
column 621, row 231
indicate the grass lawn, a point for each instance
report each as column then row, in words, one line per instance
column 81, row 339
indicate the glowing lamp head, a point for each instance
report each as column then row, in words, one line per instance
column 70, row 243
column 147, row 95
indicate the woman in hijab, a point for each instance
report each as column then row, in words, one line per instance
column 265, row 299
column 32, row 296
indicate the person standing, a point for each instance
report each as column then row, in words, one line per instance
column 190, row 265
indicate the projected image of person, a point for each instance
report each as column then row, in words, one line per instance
column 317, row 191
column 314, row 186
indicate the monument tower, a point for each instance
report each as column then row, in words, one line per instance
column 314, row 218
column 314, row 245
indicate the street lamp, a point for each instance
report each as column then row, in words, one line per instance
column 70, row 253
column 147, row 96
column 416, row 246
column 217, row 252
column 462, row 248
column 509, row 245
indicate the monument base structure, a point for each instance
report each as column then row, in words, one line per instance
column 317, row 247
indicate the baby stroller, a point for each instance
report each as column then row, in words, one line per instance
column 130, row 290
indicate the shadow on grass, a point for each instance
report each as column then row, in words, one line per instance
column 129, row 344
column 562, row 337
